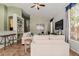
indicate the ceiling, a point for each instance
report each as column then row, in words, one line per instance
column 51, row 9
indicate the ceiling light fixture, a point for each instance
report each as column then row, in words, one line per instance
column 37, row 5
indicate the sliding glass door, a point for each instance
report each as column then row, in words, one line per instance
column 74, row 22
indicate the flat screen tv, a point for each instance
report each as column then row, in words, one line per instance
column 59, row 25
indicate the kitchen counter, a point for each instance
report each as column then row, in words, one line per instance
column 7, row 37
column 7, row 33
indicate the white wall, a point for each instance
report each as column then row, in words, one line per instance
column 38, row 19
column 63, row 15
column 59, row 16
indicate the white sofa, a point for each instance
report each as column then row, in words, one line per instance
column 49, row 45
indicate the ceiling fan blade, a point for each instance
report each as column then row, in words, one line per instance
column 42, row 5
column 32, row 6
column 37, row 7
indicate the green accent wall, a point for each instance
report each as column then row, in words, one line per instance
column 2, row 17
column 5, row 18
column 5, row 12
column 13, row 10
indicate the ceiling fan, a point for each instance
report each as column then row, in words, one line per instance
column 37, row 5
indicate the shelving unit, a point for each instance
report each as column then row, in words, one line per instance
column 16, row 24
